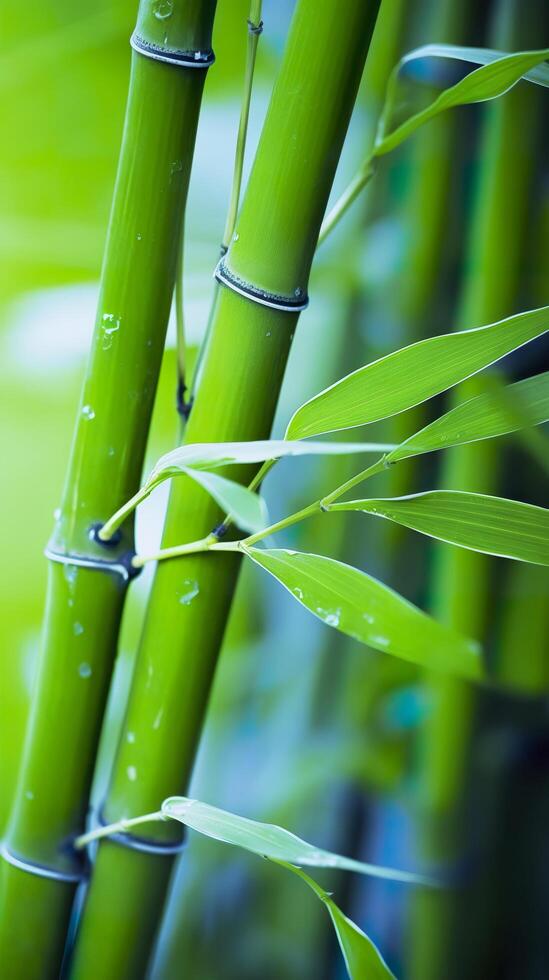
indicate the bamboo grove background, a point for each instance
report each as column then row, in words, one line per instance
column 358, row 752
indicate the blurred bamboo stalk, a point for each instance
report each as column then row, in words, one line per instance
column 461, row 579
column 264, row 285
column 87, row 581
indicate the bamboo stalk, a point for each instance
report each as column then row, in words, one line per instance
column 268, row 263
column 461, row 579
column 85, row 599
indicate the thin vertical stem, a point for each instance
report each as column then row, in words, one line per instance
column 255, row 27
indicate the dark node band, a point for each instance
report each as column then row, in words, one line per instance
column 255, row 28
column 172, row 56
column 42, row 870
column 290, row 304
column 121, row 566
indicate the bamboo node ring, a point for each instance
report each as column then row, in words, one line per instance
column 290, row 304
column 41, row 870
column 172, row 56
column 255, row 28
column 143, row 844
column 121, row 566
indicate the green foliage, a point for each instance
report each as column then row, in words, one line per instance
column 412, row 375
column 487, row 82
column 210, row 455
column 539, row 75
column 494, row 413
column 492, row 525
column 362, row 958
column 270, row 841
column 246, row 509
column 360, row 606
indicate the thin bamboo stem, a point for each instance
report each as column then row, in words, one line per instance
column 84, row 604
column 255, row 27
column 211, row 543
column 243, row 365
column 120, row 827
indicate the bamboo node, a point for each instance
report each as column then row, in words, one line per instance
column 255, row 28
column 121, row 565
column 172, row 56
column 42, row 870
column 298, row 301
column 143, row 844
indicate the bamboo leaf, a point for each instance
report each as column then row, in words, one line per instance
column 211, row 455
column 495, row 413
column 477, row 56
column 270, row 841
column 360, row 606
column 493, row 525
column 362, row 958
column 413, row 374
column 247, row 509
column 487, row 82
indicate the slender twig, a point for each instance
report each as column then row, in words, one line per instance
column 211, row 542
column 343, row 203
column 120, row 827
column 255, row 27
column 111, row 526
column 370, row 471
column 180, row 331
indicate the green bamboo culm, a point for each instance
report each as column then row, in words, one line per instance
column 85, row 599
column 264, row 280
column 462, row 584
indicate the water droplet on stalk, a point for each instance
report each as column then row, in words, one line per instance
column 131, row 772
column 192, row 589
column 162, row 9
column 77, row 628
column 110, row 325
column 88, row 412
column 85, row 670
column 130, row 737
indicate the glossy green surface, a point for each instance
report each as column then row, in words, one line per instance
column 240, row 379
column 357, row 604
column 85, row 606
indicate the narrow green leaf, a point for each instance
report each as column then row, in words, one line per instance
column 494, row 413
column 484, row 83
column 413, row 374
column 477, row 56
column 247, row 509
column 493, row 525
column 362, row 958
column 269, row 840
column 360, row 606
column 212, row 455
